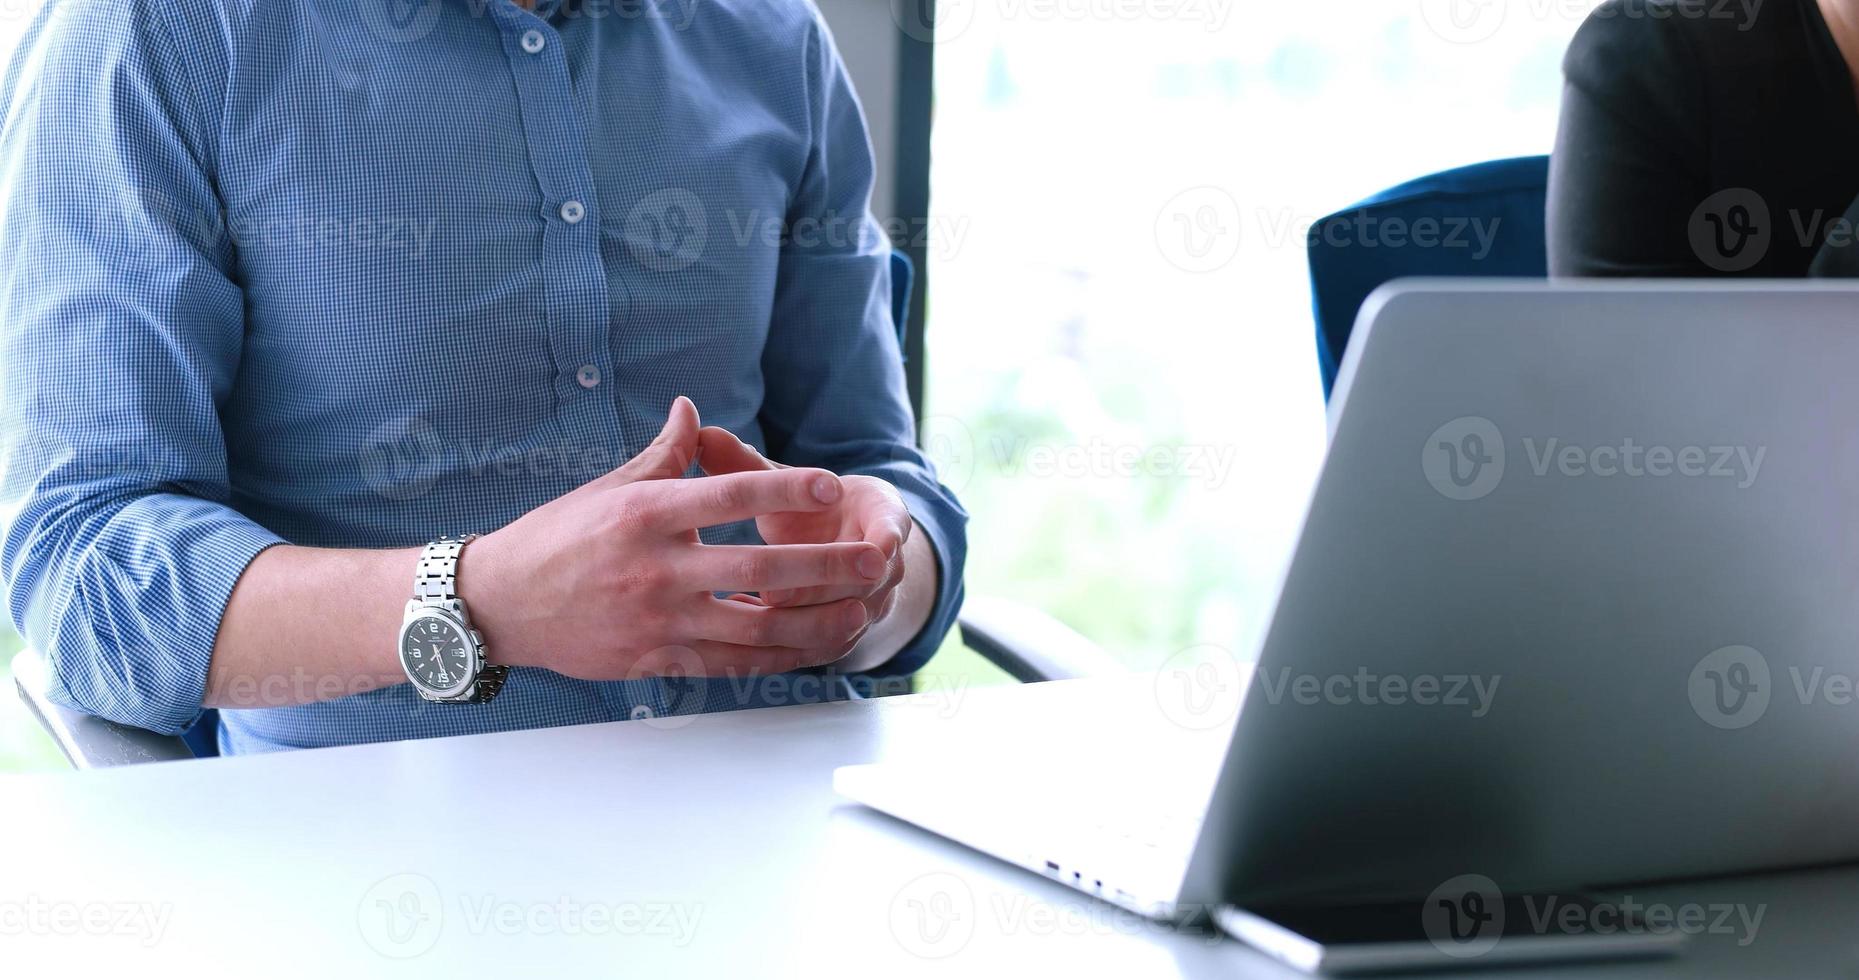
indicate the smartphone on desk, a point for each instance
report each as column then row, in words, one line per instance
column 1466, row 930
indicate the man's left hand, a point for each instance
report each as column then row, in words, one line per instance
column 868, row 510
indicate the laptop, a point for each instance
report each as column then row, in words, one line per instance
column 1575, row 603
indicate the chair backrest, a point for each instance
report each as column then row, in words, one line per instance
column 1483, row 220
column 203, row 738
column 87, row 741
column 903, row 273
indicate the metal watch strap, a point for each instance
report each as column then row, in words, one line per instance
column 435, row 582
column 490, row 681
column 436, row 578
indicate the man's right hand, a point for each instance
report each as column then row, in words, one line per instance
column 610, row 582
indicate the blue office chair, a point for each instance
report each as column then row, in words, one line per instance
column 1356, row 250
column 1026, row 643
column 903, row 278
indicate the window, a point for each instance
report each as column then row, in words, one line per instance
column 1123, row 381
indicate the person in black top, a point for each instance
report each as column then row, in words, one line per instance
column 1709, row 138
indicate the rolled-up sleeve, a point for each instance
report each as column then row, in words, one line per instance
column 835, row 394
column 122, row 331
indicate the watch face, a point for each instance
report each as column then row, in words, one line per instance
column 437, row 654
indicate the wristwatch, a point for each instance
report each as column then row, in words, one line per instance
column 443, row 656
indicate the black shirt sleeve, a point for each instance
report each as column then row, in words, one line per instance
column 1626, row 176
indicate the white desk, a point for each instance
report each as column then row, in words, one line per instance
column 706, row 846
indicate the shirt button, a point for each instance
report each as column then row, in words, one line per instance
column 589, row 376
column 642, row 712
column 533, row 41
column 573, row 212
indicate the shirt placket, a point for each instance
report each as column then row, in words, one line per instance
column 574, row 279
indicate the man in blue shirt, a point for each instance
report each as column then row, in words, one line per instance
column 293, row 289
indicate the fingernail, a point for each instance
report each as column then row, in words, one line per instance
column 826, row 489
column 856, row 617
column 870, row 565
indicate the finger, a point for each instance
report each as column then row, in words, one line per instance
column 758, row 568
column 888, row 537
column 722, row 453
column 813, row 627
column 791, row 598
column 883, row 517
column 711, row 500
column 671, row 454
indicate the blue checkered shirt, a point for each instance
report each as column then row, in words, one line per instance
column 360, row 273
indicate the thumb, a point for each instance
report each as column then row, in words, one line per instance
column 671, row 453
column 722, row 453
